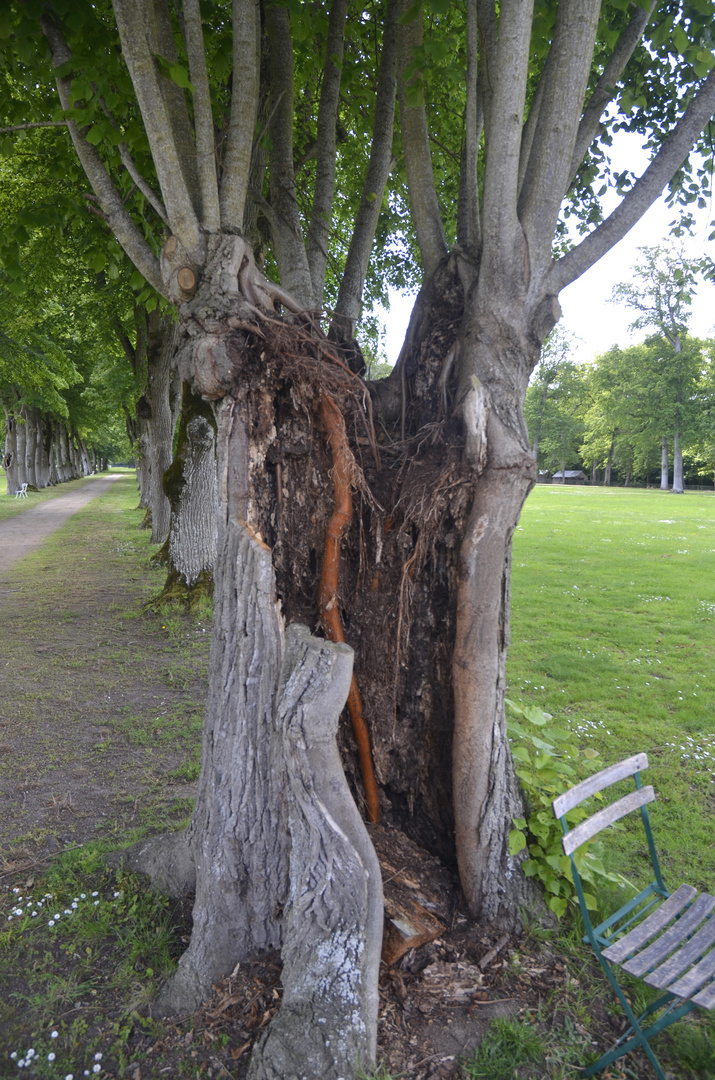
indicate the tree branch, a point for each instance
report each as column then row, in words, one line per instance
column 109, row 198
column 203, row 116
column 565, row 79
column 415, row 142
column 159, row 107
column 147, row 191
column 645, row 191
column 468, row 230
column 500, row 225
column 288, row 238
column 607, row 85
column 320, row 217
column 348, row 306
column 36, row 124
column 244, row 110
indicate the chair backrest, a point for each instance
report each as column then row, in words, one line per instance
column 589, row 828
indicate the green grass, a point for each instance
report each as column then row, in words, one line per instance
column 613, row 612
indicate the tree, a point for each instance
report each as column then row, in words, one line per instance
column 663, row 297
column 554, row 405
column 520, row 96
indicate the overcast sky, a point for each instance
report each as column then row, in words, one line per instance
column 587, row 312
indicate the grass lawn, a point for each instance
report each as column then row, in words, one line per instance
column 613, row 613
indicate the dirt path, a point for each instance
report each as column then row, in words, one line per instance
column 100, row 704
column 23, row 533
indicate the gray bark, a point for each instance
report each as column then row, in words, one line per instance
column 322, row 208
column 327, row 1023
column 349, row 303
column 9, row 460
column 194, row 524
column 486, row 797
column 664, row 464
column 159, row 429
column 244, row 109
column 285, row 217
column 678, row 487
column 418, row 161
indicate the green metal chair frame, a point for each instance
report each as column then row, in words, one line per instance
column 666, row 939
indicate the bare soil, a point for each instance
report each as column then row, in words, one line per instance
column 100, row 716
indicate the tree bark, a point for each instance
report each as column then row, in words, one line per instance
column 9, row 461
column 191, row 487
column 327, row 1023
column 678, row 487
column 664, row 485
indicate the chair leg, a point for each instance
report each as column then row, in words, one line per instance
column 641, row 1037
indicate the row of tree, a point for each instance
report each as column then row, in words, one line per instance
column 641, row 414
column 267, row 167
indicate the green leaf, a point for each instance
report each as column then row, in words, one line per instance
column 180, row 76
column 558, row 905
column 680, row 39
column 94, row 135
column 517, row 842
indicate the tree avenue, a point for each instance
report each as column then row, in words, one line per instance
column 381, row 514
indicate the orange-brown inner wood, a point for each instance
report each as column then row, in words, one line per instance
column 334, row 426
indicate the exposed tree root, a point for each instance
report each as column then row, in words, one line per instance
column 343, row 469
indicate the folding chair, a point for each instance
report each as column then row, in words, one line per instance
column 664, row 939
column 21, row 492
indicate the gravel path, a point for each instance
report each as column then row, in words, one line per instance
column 21, row 534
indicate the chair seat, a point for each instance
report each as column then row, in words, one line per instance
column 672, row 948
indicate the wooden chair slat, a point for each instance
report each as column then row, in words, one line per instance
column 706, row 998
column 651, row 926
column 673, row 967
column 593, row 825
column 598, row 782
column 673, row 938
column 696, row 978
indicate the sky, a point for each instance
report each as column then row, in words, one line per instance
column 587, row 312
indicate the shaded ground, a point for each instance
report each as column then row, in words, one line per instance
column 100, row 715
column 99, row 712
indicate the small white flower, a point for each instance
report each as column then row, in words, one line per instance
column 82, row 896
column 50, row 1056
column 95, row 893
column 9, row 918
column 54, row 1034
column 96, row 1068
column 33, row 914
column 116, row 895
column 29, row 1053
column 97, row 1057
column 13, row 1055
column 69, row 1076
column 51, row 922
column 96, row 902
column 74, row 905
column 57, row 916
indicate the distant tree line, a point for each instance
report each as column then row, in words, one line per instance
column 644, row 414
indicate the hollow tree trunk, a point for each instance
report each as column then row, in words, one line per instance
column 245, row 852
column 664, row 464
column 678, row 487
